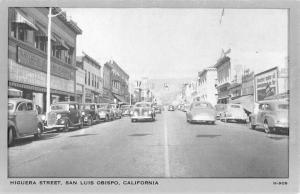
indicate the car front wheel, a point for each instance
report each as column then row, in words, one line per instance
column 67, row 126
column 267, row 127
column 90, row 121
column 11, row 137
column 38, row 134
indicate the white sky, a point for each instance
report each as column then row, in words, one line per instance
column 174, row 43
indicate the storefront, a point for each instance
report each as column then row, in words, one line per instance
column 223, row 93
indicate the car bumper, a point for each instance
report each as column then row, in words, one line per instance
column 54, row 127
column 141, row 117
column 281, row 125
column 203, row 119
column 236, row 118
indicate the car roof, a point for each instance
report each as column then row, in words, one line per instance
column 19, row 100
column 66, row 102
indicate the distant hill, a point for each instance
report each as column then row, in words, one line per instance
column 168, row 95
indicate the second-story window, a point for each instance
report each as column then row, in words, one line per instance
column 89, row 79
column 85, row 77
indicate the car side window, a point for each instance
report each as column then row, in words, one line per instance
column 29, row 106
column 22, row 107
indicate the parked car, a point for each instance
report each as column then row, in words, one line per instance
column 157, row 109
column 126, row 110
column 171, row 108
column 64, row 115
column 23, row 120
column 116, row 110
column 219, row 109
column 201, row 112
column 272, row 115
column 105, row 111
column 89, row 113
column 143, row 111
column 234, row 112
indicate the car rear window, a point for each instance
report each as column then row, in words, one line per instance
column 60, row 107
column 201, row 105
column 235, row 106
column 283, row 106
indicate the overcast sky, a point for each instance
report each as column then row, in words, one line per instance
column 173, row 43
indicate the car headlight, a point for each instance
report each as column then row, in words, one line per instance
column 43, row 117
column 149, row 112
column 83, row 113
column 58, row 116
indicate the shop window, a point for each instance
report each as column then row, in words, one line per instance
column 13, row 30
column 22, row 33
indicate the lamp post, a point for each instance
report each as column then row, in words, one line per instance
column 49, row 61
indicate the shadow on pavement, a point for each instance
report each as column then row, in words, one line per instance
column 80, row 135
column 208, row 136
column 139, row 134
column 28, row 140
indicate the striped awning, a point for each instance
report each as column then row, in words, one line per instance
column 21, row 20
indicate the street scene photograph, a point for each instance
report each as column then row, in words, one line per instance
column 148, row 93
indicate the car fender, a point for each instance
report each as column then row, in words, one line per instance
column 12, row 124
column 270, row 120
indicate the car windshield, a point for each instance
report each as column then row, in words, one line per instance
column 60, row 107
column 102, row 105
column 283, row 106
column 235, row 106
column 88, row 107
column 201, row 105
column 10, row 106
column 143, row 105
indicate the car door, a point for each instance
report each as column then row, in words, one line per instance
column 260, row 114
column 22, row 119
column 32, row 118
column 73, row 113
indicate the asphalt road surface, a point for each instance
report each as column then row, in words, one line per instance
column 168, row 147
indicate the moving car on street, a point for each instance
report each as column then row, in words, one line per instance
column 116, row 110
column 105, row 111
column 234, row 112
column 64, row 115
column 201, row 112
column 171, row 108
column 272, row 115
column 126, row 110
column 143, row 111
column 89, row 113
column 23, row 120
column 219, row 109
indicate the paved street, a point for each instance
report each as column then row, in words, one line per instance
column 168, row 147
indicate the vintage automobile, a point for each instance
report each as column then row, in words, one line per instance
column 171, row 108
column 272, row 115
column 64, row 115
column 157, row 109
column 219, row 109
column 90, row 113
column 201, row 112
column 116, row 110
column 126, row 110
column 143, row 111
column 23, row 120
column 105, row 112
column 234, row 112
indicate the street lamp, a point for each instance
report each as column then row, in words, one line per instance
column 49, row 61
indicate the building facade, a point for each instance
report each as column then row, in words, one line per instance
column 206, row 90
column 119, row 83
column 223, row 67
column 80, row 82
column 93, row 87
column 271, row 83
column 27, row 54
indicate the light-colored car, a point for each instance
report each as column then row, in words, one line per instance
column 201, row 112
column 23, row 120
column 143, row 111
column 219, row 109
column 105, row 111
column 272, row 115
column 126, row 110
column 234, row 112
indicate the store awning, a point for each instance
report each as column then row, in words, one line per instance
column 42, row 33
column 21, row 20
column 60, row 45
column 120, row 98
column 246, row 101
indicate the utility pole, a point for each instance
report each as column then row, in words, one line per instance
column 49, row 61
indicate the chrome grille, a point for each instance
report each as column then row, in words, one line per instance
column 51, row 118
